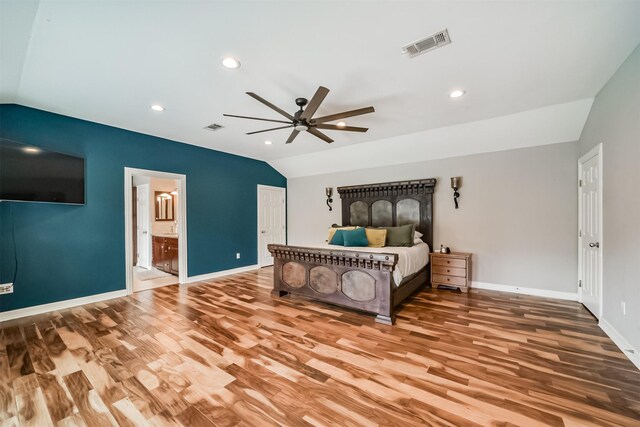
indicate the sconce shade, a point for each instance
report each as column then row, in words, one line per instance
column 456, row 181
column 329, row 191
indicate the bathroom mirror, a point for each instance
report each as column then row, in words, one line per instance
column 165, row 206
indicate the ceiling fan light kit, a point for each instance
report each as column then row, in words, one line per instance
column 303, row 120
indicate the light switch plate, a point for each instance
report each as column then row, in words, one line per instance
column 6, row 288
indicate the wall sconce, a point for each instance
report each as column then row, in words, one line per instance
column 456, row 182
column 329, row 191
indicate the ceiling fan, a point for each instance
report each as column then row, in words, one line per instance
column 303, row 120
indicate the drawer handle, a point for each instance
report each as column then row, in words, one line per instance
column 448, row 280
column 448, row 271
column 448, row 262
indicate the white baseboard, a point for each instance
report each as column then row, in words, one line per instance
column 571, row 296
column 60, row 305
column 222, row 273
column 621, row 342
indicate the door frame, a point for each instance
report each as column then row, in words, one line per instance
column 128, row 219
column 595, row 151
column 284, row 214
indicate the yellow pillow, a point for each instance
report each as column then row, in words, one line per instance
column 333, row 230
column 376, row 237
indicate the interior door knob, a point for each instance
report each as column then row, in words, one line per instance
column 263, row 231
column 594, row 245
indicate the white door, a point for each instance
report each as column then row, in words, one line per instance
column 590, row 232
column 271, row 221
column 144, row 242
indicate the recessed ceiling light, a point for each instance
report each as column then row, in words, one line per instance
column 268, row 142
column 456, row 94
column 341, row 124
column 156, row 107
column 31, row 150
column 231, row 63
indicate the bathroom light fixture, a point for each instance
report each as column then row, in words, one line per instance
column 456, row 182
column 456, row 93
column 174, row 193
column 329, row 192
column 341, row 124
column 267, row 142
column 156, row 107
column 231, row 63
column 31, row 150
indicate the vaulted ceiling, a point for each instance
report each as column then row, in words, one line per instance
column 108, row 61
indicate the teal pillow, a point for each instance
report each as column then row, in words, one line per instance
column 357, row 237
column 338, row 238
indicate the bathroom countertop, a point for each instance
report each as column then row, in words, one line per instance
column 170, row 235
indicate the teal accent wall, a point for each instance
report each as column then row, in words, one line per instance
column 67, row 252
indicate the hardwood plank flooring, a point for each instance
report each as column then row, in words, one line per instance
column 226, row 353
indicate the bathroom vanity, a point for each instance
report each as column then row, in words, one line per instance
column 165, row 252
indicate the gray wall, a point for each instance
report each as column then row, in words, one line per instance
column 615, row 121
column 518, row 211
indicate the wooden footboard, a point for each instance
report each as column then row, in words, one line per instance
column 354, row 279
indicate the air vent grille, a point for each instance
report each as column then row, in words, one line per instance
column 213, row 127
column 434, row 41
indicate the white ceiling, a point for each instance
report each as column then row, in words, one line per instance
column 108, row 61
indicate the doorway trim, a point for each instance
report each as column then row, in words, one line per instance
column 595, row 151
column 128, row 222
column 259, row 207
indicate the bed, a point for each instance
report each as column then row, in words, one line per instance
column 373, row 280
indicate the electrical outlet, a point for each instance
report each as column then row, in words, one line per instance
column 6, row 288
column 238, row 255
column 623, row 306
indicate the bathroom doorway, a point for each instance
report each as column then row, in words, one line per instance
column 155, row 212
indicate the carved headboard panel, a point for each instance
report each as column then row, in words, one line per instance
column 389, row 204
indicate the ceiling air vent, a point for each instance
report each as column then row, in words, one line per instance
column 434, row 41
column 213, row 127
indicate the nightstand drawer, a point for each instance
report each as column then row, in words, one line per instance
column 449, row 262
column 450, row 271
column 449, row 280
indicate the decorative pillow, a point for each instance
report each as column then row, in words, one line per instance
column 417, row 237
column 333, row 230
column 401, row 235
column 357, row 237
column 376, row 237
column 338, row 237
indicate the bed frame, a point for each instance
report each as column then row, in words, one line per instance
column 359, row 279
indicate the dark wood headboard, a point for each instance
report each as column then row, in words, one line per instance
column 390, row 204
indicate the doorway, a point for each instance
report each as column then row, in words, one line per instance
column 590, row 230
column 272, row 221
column 155, row 229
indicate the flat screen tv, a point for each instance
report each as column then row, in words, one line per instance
column 31, row 174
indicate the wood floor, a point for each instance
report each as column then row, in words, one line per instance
column 226, row 353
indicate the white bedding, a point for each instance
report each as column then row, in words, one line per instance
column 410, row 260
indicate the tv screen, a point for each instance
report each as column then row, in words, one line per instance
column 31, row 174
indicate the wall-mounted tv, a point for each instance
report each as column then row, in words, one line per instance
column 31, row 174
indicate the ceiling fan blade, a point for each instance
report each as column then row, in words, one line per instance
column 347, row 128
column 255, row 118
column 315, row 102
column 343, row 115
column 270, row 105
column 322, row 136
column 268, row 130
column 292, row 136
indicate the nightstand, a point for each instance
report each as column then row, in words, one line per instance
column 452, row 269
